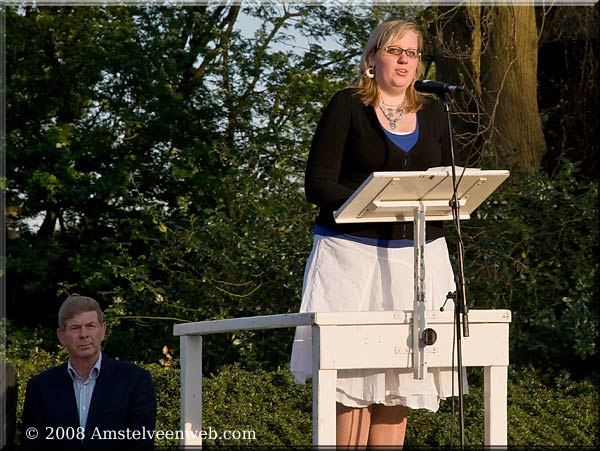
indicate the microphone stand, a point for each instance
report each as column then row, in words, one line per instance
column 460, row 299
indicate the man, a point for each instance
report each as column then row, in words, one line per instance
column 91, row 402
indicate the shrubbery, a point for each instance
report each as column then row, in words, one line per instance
column 532, row 248
column 278, row 412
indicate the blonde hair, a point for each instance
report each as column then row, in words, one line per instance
column 76, row 304
column 383, row 35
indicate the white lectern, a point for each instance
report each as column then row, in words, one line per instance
column 347, row 340
column 419, row 196
column 388, row 339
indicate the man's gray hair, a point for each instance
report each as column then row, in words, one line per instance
column 76, row 304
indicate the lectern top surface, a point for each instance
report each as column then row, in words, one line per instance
column 394, row 196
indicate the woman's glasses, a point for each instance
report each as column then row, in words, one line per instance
column 397, row 51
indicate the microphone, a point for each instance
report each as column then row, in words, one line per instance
column 436, row 87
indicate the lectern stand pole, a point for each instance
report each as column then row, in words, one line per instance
column 419, row 321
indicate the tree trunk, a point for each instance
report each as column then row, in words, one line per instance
column 493, row 52
column 509, row 86
column 458, row 46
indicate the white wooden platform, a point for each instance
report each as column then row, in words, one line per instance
column 344, row 340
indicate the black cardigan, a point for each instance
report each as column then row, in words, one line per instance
column 350, row 143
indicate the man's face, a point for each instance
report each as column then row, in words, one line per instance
column 83, row 335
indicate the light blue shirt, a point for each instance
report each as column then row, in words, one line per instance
column 84, row 389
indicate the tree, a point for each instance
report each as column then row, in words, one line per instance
column 493, row 51
column 168, row 169
column 568, row 89
column 547, row 286
column 155, row 159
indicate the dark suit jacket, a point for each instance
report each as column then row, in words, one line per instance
column 123, row 399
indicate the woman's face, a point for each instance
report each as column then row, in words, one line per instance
column 395, row 73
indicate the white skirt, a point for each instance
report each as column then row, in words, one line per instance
column 343, row 275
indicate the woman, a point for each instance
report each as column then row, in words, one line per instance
column 380, row 123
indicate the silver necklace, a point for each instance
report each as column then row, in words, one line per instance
column 393, row 113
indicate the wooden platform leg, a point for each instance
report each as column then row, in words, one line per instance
column 191, row 386
column 495, row 405
column 324, row 382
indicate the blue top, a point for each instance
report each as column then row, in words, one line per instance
column 404, row 141
column 324, row 231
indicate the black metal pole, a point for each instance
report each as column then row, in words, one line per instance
column 460, row 300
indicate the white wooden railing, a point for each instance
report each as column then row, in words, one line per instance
column 345, row 340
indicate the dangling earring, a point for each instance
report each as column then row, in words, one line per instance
column 370, row 72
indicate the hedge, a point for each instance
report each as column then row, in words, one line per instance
column 266, row 408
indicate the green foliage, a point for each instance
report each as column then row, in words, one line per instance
column 166, row 171
column 155, row 159
column 534, row 411
column 278, row 412
column 241, row 268
column 273, row 411
column 167, row 387
column 532, row 248
column 268, row 403
column 575, row 404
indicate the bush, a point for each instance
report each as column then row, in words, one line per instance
column 265, row 408
column 277, row 412
column 562, row 416
column 532, row 248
